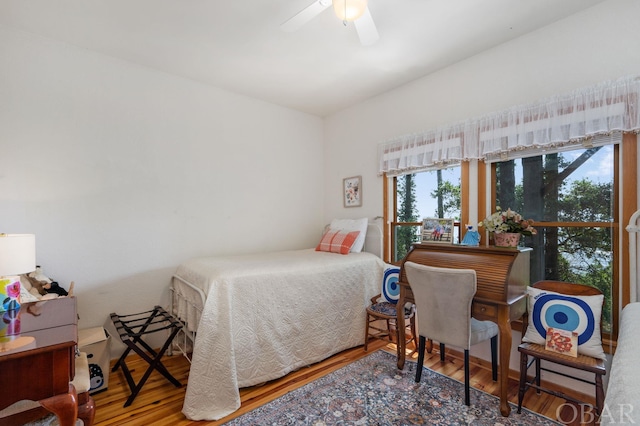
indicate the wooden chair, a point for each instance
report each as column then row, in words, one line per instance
column 82, row 383
column 443, row 299
column 383, row 308
column 30, row 411
column 538, row 353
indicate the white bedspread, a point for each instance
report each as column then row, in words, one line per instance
column 622, row 403
column 269, row 314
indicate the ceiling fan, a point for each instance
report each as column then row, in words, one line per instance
column 355, row 11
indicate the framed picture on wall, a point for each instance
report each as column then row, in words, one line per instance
column 437, row 230
column 352, row 191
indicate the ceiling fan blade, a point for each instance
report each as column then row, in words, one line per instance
column 305, row 15
column 366, row 29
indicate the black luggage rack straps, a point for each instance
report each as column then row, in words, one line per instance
column 131, row 328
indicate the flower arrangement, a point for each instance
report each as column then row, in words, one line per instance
column 508, row 221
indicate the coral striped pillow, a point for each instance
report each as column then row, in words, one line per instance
column 337, row 241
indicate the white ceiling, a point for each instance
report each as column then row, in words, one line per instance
column 238, row 44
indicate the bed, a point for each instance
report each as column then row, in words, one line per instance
column 255, row 318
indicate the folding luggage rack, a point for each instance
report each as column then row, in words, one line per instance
column 131, row 328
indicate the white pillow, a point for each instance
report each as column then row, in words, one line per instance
column 352, row 225
column 573, row 313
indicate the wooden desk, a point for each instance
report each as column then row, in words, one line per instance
column 503, row 277
column 37, row 357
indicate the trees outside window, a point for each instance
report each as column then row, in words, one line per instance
column 425, row 194
column 407, row 212
column 570, row 196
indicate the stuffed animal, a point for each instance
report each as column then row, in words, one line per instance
column 46, row 285
column 38, row 285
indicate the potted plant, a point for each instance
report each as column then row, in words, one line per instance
column 507, row 226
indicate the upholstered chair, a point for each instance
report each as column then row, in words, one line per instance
column 443, row 299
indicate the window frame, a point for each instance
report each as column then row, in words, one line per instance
column 608, row 338
column 483, row 174
column 390, row 245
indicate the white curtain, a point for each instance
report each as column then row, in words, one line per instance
column 419, row 151
column 581, row 117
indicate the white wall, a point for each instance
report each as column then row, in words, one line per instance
column 590, row 47
column 123, row 172
column 597, row 45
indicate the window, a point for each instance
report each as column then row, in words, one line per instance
column 570, row 196
column 581, row 201
column 433, row 193
column 578, row 242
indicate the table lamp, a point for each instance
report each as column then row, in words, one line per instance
column 17, row 256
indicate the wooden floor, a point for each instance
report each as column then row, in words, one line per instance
column 160, row 403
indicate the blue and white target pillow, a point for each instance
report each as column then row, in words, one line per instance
column 390, row 285
column 573, row 313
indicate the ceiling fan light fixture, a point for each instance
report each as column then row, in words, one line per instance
column 349, row 10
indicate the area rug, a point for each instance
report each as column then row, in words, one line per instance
column 372, row 391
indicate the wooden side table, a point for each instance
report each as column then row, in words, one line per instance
column 37, row 359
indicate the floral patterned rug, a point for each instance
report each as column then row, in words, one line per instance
column 372, row 391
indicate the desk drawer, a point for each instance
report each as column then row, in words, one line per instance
column 483, row 311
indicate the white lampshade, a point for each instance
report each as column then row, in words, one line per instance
column 17, row 254
column 349, row 10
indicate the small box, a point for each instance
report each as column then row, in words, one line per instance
column 96, row 343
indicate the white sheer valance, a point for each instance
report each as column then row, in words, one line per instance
column 581, row 117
